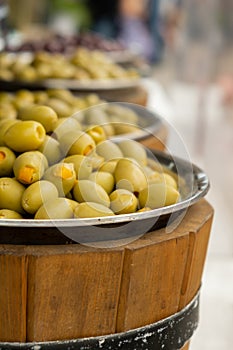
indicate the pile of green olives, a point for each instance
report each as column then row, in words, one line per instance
column 82, row 65
column 52, row 169
column 52, row 108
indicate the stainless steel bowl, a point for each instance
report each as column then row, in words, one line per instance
column 194, row 184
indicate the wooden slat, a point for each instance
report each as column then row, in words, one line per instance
column 72, row 294
column 157, row 266
column 13, row 287
column 151, row 283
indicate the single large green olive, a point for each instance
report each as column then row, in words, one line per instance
column 96, row 115
column 109, row 166
column 24, row 136
column 130, row 176
column 62, row 109
column 92, row 210
column 11, row 192
column 77, row 142
column 37, row 194
column 56, row 208
column 5, row 124
column 163, row 178
column 109, row 150
column 123, row 202
column 42, row 114
column 66, row 125
column 82, row 165
column 158, row 195
column 124, row 128
column 104, row 179
column 133, row 149
column 6, row 214
column 89, row 191
column 29, row 167
column 63, row 176
column 7, row 159
column 51, row 149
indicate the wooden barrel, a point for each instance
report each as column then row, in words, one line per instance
column 63, row 292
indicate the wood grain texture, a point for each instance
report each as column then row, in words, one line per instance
column 73, row 291
column 72, row 294
column 158, row 267
column 13, row 294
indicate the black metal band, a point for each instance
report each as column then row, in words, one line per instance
column 168, row 334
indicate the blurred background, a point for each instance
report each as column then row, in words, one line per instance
column 188, row 47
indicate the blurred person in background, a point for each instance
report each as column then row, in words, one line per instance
column 136, row 23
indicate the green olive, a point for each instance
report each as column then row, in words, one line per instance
column 123, row 202
column 123, row 113
column 27, row 73
column 11, row 192
column 77, row 142
column 82, row 165
column 95, row 160
column 7, row 111
column 5, row 97
column 56, row 208
column 158, row 195
column 24, row 136
column 133, row 149
column 4, row 126
column 66, row 125
column 97, row 133
column 37, row 194
column 109, row 166
column 23, row 98
column 104, row 179
column 42, row 114
column 124, row 128
column 96, row 115
column 92, row 210
column 89, row 191
column 40, row 97
column 61, row 94
column 29, row 167
column 164, row 178
column 63, row 176
column 130, row 176
column 62, row 109
column 51, row 149
column 9, row 214
column 109, row 150
column 7, row 158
